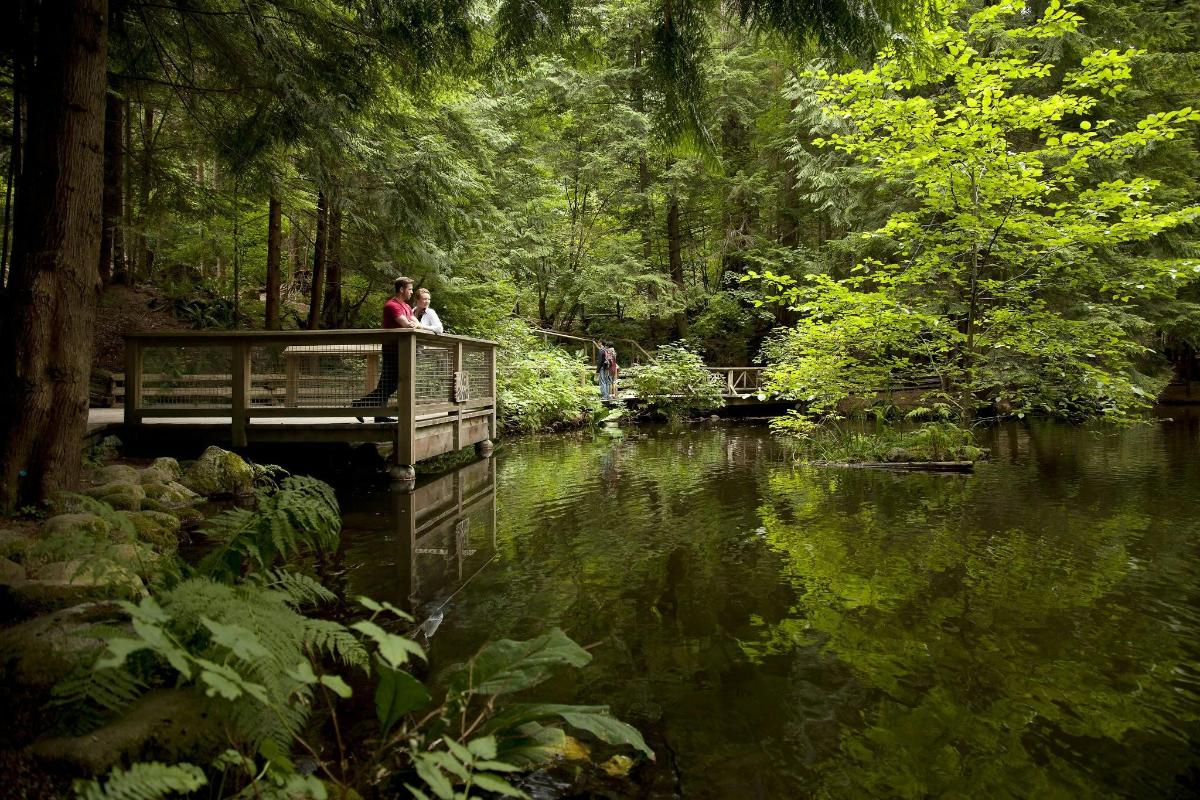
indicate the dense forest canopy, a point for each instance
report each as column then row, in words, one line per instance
column 1003, row 194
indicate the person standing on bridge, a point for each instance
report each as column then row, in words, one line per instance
column 424, row 314
column 397, row 313
column 606, row 368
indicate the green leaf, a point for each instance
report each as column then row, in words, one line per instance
column 596, row 720
column 337, row 685
column 483, row 747
column 509, row 666
column 461, row 753
column 303, row 673
column 397, row 693
column 491, row 783
column 394, row 649
column 431, row 774
column 531, row 745
column 118, row 650
column 242, row 642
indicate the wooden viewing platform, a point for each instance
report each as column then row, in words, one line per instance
column 249, row 387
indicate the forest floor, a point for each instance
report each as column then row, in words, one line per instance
column 125, row 309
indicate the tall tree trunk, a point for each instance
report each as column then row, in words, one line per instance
column 129, row 254
column 675, row 259
column 237, row 254
column 46, row 346
column 114, row 158
column 294, row 253
column 274, row 223
column 20, row 59
column 318, row 271
column 787, row 223
column 145, row 258
column 333, row 271
column 638, row 99
column 737, row 211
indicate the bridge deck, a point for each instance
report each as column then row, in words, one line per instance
column 308, row 386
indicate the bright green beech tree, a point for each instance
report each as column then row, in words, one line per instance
column 1011, row 274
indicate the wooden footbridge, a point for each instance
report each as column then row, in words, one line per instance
column 248, row 387
column 739, row 385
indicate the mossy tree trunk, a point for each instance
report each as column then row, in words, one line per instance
column 318, row 270
column 274, row 230
column 49, row 314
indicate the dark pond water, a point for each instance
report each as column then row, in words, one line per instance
column 1032, row 630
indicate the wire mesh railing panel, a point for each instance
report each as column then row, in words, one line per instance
column 435, row 373
column 322, row 375
column 187, row 377
column 477, row 363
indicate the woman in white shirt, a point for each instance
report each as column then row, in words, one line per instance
column 425, row 315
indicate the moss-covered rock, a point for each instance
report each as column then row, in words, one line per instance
column 154, row 475
column 168, row 725
column 117, row 473
column 44, row 650
column 156, row 527
column 218, row 472
column 11, row 571
column 168, row 465
column 13, row 544
column 73, row 503
column 188, row 517
column 64, row 524
column 123, row 496
column 101, row 578
column 169, row 493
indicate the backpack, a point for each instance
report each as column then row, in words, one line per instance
column 610, row 361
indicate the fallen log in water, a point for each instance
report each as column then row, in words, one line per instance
column 908, row 466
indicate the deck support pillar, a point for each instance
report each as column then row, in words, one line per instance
column 403, row 473
column 240, row 395
column 404, row 454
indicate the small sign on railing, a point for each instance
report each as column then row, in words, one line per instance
column 462, row 387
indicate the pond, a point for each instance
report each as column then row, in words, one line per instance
column 1031, row 630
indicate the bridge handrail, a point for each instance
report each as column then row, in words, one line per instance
column 589, row 342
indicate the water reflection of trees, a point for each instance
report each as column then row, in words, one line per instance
column 783, row 632
column 1004, row 642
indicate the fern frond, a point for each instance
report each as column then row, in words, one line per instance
column 88, row 696
column 144, row 781
column 300, row 589
column 334, row 641
column 300, row 517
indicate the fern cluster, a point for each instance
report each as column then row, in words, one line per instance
column 300, row 518
column 145, row 781
column 240, row 643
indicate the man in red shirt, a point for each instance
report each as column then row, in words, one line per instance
column 397, row 313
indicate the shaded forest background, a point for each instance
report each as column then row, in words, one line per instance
column 610, row 168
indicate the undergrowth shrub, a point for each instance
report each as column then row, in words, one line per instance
column 239, row 635
column 839, row 440
column 678, row 383
column 539, row 386
column 266, row 666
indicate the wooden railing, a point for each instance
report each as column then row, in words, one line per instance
column 444, row 385
column 739, row 381
column 638, row 353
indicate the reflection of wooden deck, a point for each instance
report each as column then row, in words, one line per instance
column 446, row 530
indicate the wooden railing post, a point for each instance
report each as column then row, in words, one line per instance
column 240, row 396
column 133, row 381
column 492, row 430
column 406, row 401
column 458, row 368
